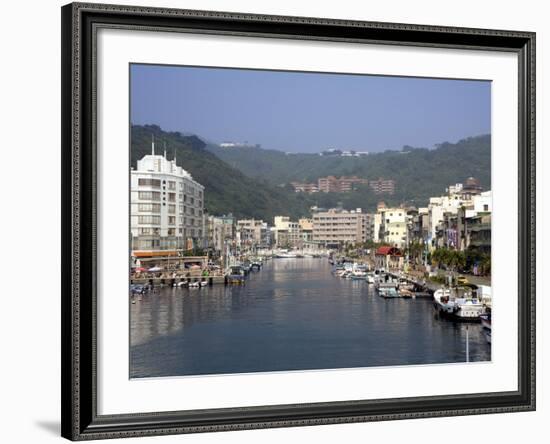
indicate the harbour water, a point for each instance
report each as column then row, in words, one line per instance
column 292, row 315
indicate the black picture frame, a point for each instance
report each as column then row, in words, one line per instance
column 79, row 171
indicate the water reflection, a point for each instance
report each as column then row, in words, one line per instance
column 291, row 315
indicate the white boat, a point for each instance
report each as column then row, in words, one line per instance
column 371, row 279
column 286, row 255
column 388, row 292
column 195, row 284
column 458, row 303
column 359, row 275
column 203, row 283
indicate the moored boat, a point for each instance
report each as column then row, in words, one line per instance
column 458, row 303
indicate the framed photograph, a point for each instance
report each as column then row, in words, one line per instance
column 278, row 221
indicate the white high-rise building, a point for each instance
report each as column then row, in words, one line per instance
column 166, row 205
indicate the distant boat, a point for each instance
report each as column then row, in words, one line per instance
column 286, row 255
column 195, row 284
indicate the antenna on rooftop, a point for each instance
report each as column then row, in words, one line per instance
column 165, row 149
column 153, row 144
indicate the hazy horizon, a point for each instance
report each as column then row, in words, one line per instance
column 301, row 112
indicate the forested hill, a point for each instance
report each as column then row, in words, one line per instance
column 226, row 188
column 419, row 172
column 254, row 183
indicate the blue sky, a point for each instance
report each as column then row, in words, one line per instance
column 309, row 112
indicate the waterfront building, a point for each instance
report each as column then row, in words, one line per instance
column 306, row 231
column 166, row 205
column 453, row 230
column 253, row 232
column 376, row 235
column 382, row 186
column 393, row 226
column 388, row 258
column 479, row 233
column 336, row 227
column 287, row 233
column 369, row 226
column 443, row 206
column 221, row 231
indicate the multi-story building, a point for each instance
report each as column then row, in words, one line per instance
column 444, row 218
column 382, row 186
column 252, row 232
column 479, row 232
column 453, row 228
column 344, row 184
column 221, row 230
column 306, row 230
column 369, row 226
column 337, row 226
column 393, row 226
column 166, row 205
column 287, row 233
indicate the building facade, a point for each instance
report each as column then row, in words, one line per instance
column 382, row 186
column 337, row 227
column 393, row 226
column 344, row 184
column 221, row 231
column 252, row 232
column 166, row 205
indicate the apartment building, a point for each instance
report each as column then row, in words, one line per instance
column 166, row 205
column 337, row 226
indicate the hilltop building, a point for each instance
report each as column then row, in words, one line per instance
column 382, row 186
column 331, row 184
column 166, row 205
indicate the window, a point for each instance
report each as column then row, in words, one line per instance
column 149, row 208
column 485, row 207
column 171, row 209
column 149, row 195
column 171, row 185
column 171, row 231
column 171, row 197
column 155, row 183
column 171, row 220
column 149, row 219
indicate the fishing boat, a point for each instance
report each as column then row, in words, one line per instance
column 458, row 303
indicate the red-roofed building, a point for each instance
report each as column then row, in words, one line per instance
column 388, row 258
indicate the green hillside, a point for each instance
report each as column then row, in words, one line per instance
column 419, row 172
column 253, row 182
